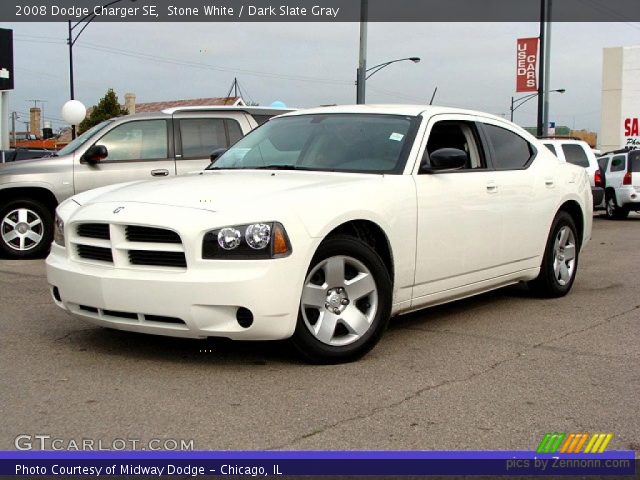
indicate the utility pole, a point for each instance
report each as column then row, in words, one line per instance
column 14, row 117
column 235, row 87
column 72, row 96
column 543, row 62
column 547, row 70
column 362, row 63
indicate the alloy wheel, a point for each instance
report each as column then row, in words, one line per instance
column 339, row 300
column 564, row 255
column 22, row 229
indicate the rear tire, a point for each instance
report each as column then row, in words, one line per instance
column 560, row 261
column 614, row 212
column 345, row 303
column 26, row 229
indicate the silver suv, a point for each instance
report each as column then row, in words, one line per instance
column 622, row 188
column 133, row 147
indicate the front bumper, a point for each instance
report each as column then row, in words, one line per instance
column 198, row 301
column 191, row 304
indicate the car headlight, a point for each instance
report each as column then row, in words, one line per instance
column 58, row 231
column 250, row 241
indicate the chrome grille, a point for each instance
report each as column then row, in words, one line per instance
column 102, row 313
column 130, row 246
column 136, row 233
column 94, row 230
column 90, row 252
column 159, row 259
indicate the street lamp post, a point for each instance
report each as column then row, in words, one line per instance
column 71, row 40
column 363, row 76
column 518, row 102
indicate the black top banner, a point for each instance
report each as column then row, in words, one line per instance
column 317, row 10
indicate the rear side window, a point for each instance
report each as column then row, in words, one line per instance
column 575, row 154
column 552, row 148
column 634, row 159
column 603, row 163
column 201, row 136
column 618, row 163
column 511, row 151
column 235, row 132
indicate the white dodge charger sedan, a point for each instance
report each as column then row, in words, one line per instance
column 323, row 224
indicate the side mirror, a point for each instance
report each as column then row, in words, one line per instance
column 95, row 154
column 217, row 153
column 444, row 160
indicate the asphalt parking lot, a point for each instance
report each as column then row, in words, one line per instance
column 493, row 372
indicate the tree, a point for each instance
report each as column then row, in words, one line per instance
column 108, row 107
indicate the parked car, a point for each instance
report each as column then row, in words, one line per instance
column 321, row 225
column 581, row 154
column 16, row 154
column 622, row 189
column 133, row 147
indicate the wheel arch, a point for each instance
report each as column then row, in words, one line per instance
column 41, row 194
column 372, row 234
column 573, row 208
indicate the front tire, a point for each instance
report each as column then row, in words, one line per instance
column 345, row 303
column 26, row 229
column 560, row 260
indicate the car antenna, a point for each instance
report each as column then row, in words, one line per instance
column 433, row 96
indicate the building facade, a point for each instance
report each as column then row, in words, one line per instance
column 620, row 125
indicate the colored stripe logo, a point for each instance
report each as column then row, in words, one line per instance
column 574, row 442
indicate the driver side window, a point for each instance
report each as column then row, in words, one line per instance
column 461, row 135
column 137, row 140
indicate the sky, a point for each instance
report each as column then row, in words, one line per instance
column 310, row 64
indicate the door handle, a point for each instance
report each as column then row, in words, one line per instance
column 492, row 187
column 549, row 182
column 161, row 172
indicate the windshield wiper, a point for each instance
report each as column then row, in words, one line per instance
column 260, row 167
column 278, row 167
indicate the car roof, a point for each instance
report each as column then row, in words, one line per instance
column 556, row 141
column 393, row 109
column 230, row 108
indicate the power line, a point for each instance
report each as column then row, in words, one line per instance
column 186, row 63
column 174, row 61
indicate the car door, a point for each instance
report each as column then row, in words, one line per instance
column 199, row 134
column 458, row 217
column 529, row 191
column 617, row 169
column 137, row 150
column 603, row 163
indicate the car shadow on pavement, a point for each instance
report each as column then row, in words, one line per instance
column 110, row 342
column 459, row 307
column 221, row 351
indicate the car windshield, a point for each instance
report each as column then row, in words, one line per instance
column 365, row 143
column 82, row 139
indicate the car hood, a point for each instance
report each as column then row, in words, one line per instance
column 225, row 189
column 36, row 165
